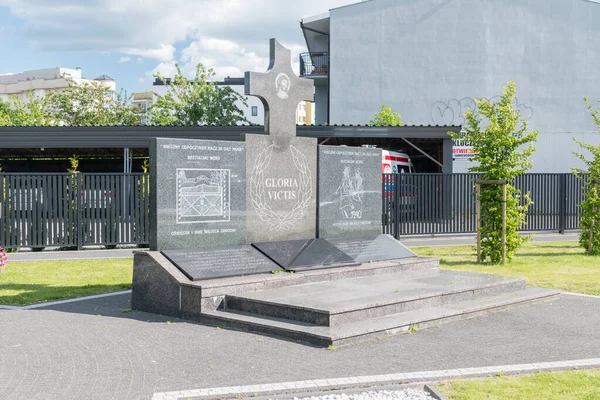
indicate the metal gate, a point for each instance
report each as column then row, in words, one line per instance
column 416, row 204
column 73, row 210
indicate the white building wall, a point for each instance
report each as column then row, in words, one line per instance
column 428, row 59
column 42, row 82
column 251, row 101
column 320, row 102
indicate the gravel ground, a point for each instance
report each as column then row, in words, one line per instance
column 408, row 394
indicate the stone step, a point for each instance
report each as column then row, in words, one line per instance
column 350, row 300
column 377, row 326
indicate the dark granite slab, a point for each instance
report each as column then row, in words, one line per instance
column 379, row 248
column 301, row 255
column 198, row 264
column 282, row 253
column 349, row 192
column 198, row 193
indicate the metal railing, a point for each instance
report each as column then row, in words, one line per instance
column 415, row 204
column 73, row 210
column 314, row 64
column 83, row 209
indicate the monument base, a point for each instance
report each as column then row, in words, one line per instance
column 331, row 306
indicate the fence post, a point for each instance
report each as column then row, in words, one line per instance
column 396, row 206
column 478, row 217
column 79, row 211
column 3, row 212
column 562, row 210
column 384, row 214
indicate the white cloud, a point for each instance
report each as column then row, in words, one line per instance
column 140, row 60
column 164, row 52
column 165, row 69
column 229, row 35
column 226, row 57
column 124, row 59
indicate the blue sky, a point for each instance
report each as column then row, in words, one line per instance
column 128, row 40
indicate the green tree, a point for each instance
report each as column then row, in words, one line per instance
column 32, row 112
column 589, row 236
column 386, row 117
column 196, row 102
column 503, row 149
column 91, row 103
column 5, row 113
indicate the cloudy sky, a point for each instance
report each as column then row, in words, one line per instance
column 129, row 39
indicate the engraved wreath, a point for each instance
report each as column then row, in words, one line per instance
column 280, row 221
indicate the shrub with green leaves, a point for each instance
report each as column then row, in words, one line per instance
column 503, row 150
column 386, row 117
column 590, row 206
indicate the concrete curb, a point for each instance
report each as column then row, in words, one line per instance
column 374, row 380
column 59, row 302
column 433, row 392
column 581, row 295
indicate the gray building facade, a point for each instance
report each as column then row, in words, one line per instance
column 428, row 59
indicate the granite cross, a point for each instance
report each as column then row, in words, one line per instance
column 280, row 91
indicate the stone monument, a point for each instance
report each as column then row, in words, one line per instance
column 229, row 220
column 281, row 169
column 224, row 209
column 198, row 193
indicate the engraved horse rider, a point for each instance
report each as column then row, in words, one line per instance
column 351, row 192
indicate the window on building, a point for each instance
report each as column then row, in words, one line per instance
column 254, row 111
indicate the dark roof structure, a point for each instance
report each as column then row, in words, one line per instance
column 227, row 81
column 104, row 78
column 22, row 137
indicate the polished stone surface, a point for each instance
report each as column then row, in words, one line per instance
column 198, row 192
column 349, row 192
column 281, row 193
column 220, row 262
column 367, row 292
column 301, row 255
column 382, row 247
column 283, row 253
column 155, row 289
column 280, row 91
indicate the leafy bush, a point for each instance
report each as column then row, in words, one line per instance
column 386, row 117
column 589, row 237
column 503, row 149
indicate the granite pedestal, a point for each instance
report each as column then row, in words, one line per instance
column 331, row 306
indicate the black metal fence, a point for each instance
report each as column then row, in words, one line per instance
column 73, row 210
column 76, row 210
column 417, row 204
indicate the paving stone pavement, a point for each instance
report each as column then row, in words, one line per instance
column 93, row 350
column 461, row 240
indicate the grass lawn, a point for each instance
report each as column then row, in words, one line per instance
column 575, row 385
column 23, row 283
column 562, row 265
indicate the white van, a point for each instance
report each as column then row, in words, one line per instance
column 393, row 162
